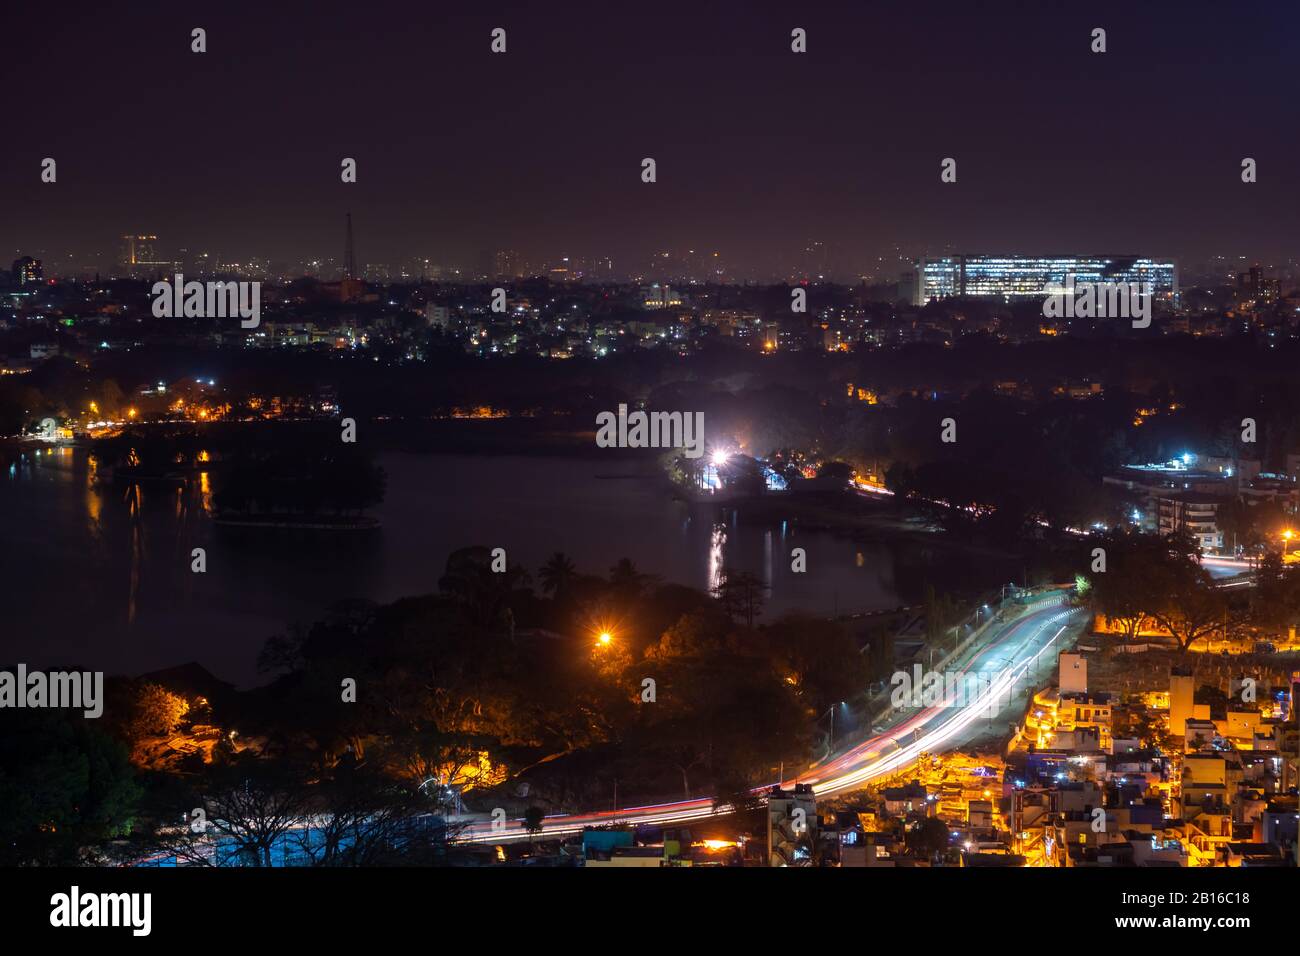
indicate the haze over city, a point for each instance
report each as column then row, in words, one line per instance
column 759, row 152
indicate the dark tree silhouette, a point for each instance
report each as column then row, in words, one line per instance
column 741, row 594
column 557, row 574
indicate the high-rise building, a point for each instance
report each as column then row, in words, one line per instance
column 1012, row 277
column 141, row 255
column 505, row 264
column 1255, row 287
column 351, row 286
column 28, row 270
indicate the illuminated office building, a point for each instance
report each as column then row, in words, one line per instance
column 1011, row 277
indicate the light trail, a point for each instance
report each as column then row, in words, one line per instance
column 1018, row 649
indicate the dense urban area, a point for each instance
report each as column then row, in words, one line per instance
column 1109, row 681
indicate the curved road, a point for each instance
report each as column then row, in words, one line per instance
column 1002, row 658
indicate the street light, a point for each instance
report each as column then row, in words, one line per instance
column 830, row 739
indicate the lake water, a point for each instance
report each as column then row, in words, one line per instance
column 99, row 575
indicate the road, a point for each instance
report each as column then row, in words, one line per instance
column 1025, row 643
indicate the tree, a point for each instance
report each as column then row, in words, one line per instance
column 1125, row 591
column 821, row 659
column 1185, row 601
column 696, row 634
column 741, row 594
column 1275, row 599
column 837, row 472
column 364, row 819
column 900, row 478
column 249, row 808
column 155, row 711
column 941, row 613
column 484, row 593
column 627, row 581
column 557, row 574
column 533, row 817
column 66, row 787
column 723, row 709
column 734, row 792
column 929, row 836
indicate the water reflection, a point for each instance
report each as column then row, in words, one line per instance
column 717, row 555
column 767, row 558
column 94, row 497
column 134, row 498
column 94, row 587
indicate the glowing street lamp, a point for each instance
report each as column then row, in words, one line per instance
column 1287, row 535
column 604, row 638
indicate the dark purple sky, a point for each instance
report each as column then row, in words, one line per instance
column 238, row 150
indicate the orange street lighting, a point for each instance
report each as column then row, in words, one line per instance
column 605, row 637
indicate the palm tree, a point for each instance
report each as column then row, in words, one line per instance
column 557, row 574
column 627, row 580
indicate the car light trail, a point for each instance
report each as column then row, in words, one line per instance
column 1021, row 646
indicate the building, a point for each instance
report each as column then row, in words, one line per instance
column 28, row 271
column 1184, row 494
column 1073, row 674
column 141, row 256
column 1255, row 289
column 505, row 264
column 791, row 825
column 1182, row 704
column 1190, row 512
column 1018, row 277
column 437, row 316
column 658, row 296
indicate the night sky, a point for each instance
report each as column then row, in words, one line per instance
column 237, row 150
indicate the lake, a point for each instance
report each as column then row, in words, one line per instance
column 99, row 575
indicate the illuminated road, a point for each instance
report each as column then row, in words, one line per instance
column 1003, row 658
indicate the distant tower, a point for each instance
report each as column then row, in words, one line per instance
column 351, row 288
column 349, row 256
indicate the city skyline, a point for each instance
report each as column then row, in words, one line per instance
column 696, row 265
